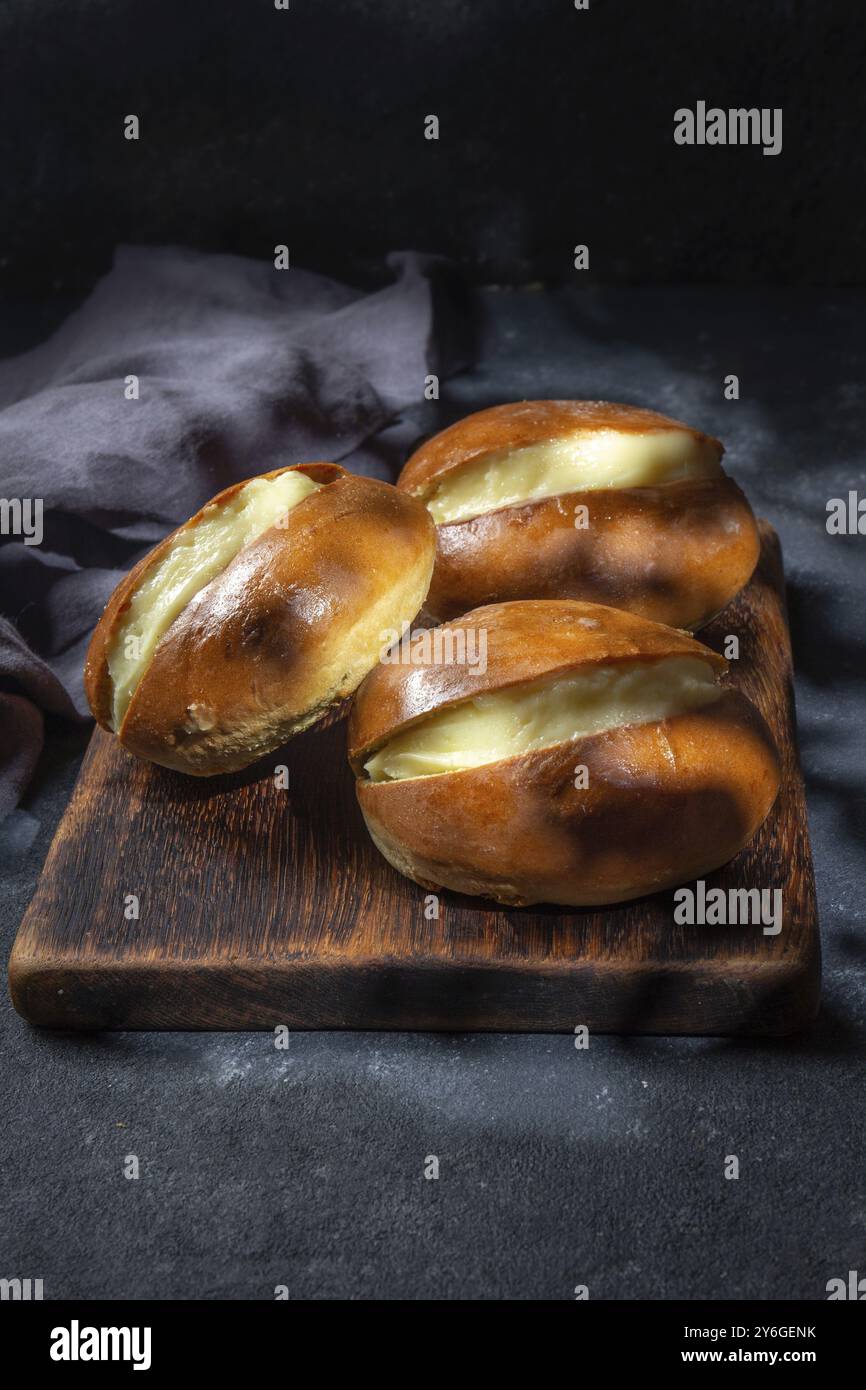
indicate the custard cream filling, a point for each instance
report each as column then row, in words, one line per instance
column 196, row 556
column 541, row 714
column 582, row 462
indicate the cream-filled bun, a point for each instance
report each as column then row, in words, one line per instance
column 255, row 617
column 583, row 499
column 590, row 757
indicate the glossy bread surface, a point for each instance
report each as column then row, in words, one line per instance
column 675, row 552
column 595, row 819
column 288, row 629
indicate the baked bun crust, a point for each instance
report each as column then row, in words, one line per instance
column 675, row 552
column 283, row 633
column 666, row 801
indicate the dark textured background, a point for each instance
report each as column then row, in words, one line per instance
column 558, row 1167
column 305, row 127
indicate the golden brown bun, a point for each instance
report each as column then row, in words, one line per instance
column 520, row 423
column 525, row 642
column 284, row 633
column 667, row 801
column 676, row 553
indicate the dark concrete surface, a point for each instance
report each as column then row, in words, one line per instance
column 306, row 126
column 557, row 1167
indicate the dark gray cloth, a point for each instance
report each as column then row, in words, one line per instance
column 241, row 368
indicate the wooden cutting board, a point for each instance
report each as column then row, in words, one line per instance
column 261, row 906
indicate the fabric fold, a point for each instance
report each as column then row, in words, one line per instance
column 182, row 373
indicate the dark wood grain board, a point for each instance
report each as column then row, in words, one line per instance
column 261, row 906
